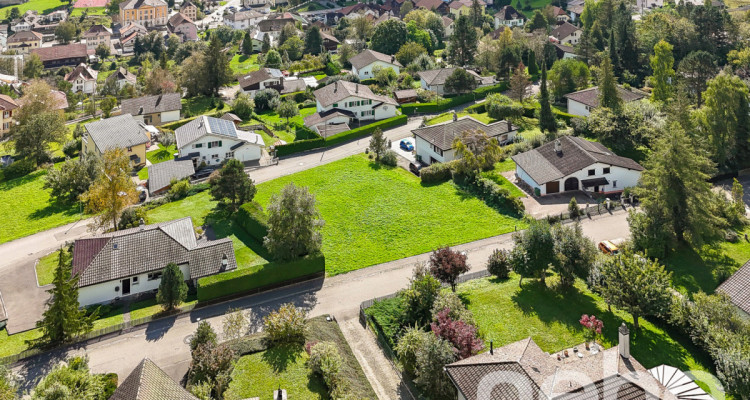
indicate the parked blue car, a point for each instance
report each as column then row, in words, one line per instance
column 406, row 145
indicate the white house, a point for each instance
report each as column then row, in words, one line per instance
column 329, row 123
column 357, row 99
column 83, row 79
column 264, row 78
column 364, row 63
column 154, row 110
column 434, row 79
column 567, row 33
column 584, row 101
column 510, row 17
column 213, row 140
column 243, row 19
column 571, row 163
column 130, row 262
column 434, row 143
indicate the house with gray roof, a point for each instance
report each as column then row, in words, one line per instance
column 584, row 101
column 571, row 163
column 434, row 143
column 364, row 63
column 130, row 262
column 737, row 287
column 434, row 79
column 214, row 140
column 356, row 99
column 567, row 33
column 161, row 175
column 154, row 110
column 119, row 132
column 149, row 382
column 522, row 370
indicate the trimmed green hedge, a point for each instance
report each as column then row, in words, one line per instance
column 565, row 116
column 477, row 94
column 260, row 276
column 253, row 220
column 365, row 130
column 298, row 146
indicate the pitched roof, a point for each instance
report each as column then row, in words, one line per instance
column 544, row 164
column 243, row 15
column 438, row 76
column 446, row 20
column 405, row 94
column 24, row 36
column 590, row 96
column 231, row 117
column 328, row 37
column 737, row 287
column 61, row 98
column 135, row 4
column 259, row 76
column 205, row 125
column 508, row 13
column 97, row 30
column 341, row 89
column 442, row 135
column 523, row 370
column 149, row 382
column 148, row 248
column 564, row 30
column 160, row 175
column 322, row 117
column 7, row 103
column 187, row 4
column 83, row 71
column 456, row 4
column 116, row 132
column 368, row 57
column 152, row 104
column 123, row 74
column 429, row 4
column 61, row 52
column 178, row 19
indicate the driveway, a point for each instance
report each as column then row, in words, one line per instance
column 409, row 155
column 24, row 300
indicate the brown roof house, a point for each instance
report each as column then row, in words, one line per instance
column 438, row 6
column 272, row 78
column 737, row 287
column 154, row 110
column 510, row 17
column 7, row 107
column 571, row 163
column 24, row 41
column 83, row 79
column 567, row 33
column 522, row 370
column 434, row 79
column 96, row 35
column 434, row 143
column 364, row 63
column 149, row 382
column 130, row 262
column 119, row 132
column 60, row 56
column 183, row 27
column 584, row 101
column 123, row 77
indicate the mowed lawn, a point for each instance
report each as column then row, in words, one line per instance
column 374, row 214
column 242, row 64
column 506, row 313
column 28, row 208
column 43, row 6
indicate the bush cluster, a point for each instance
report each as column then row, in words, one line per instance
column 19, row 168
column 494, row 195
column 253, row 220
column 326, row 361
column 437, row 172
column 286, row 325
column 444, row 104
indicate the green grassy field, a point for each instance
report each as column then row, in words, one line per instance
column 506, row 313
column 14, row 344
column 445, row 117
column 388, row 213
column 271, row 119
column 77, row 12
column 32, row 210
column 157, row 156
column 149, row 307
column 45, row 268
column 199, row 105
column 43, row 6
column 242, row 64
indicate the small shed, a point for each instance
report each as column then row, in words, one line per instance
column 405, row 96
column 233, row 118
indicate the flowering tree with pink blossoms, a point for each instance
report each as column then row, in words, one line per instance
column 592, row 326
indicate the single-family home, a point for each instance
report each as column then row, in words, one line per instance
column 264, row 78
column 355, row 98
column 329, row 123
column 439, row 6
column 130, row 262
column 123, row 77
column 509, row 16
column 463, row 7
column 275, row 22
column 161, row 175
column 447, row 26
column 361, row 9
column 575, row 9
column 60, row 56
column 190, row 10
column 183, row 27
column 257, row 37
column 24, row 41
column 149, row 13
column 130, row 27
column 149, row 382
column 564, row 51
column 737, row 288
column 364, row 63
column 7, row 106
column 213, row 140
column 263, row 6
column 119, row 132
column 154, row 110
column 96, row 35
column 330, row 43
column 522, row 370
column 434, row 143
column 571, row 163
column 560, row 14
column 567, row 33
column 47, row 24
column 434, row 79
column 233, row 118
column 83, row 79
column 584, row 101
column 243, row 19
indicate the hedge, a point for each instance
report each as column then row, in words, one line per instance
column 357, row 133
column 257, row 277
column 298, row 146
column 253, row 220
column 437, row 172
column 479, row 93
column 565, row 116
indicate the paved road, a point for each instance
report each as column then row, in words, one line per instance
column 164, row 341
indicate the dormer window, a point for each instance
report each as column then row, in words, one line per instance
column 114, row 246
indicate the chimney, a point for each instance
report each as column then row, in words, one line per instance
column 141, row 223
column 393, row 58
column 510, row 126
column 558, row 146
column 140, row 110
column 624, row 344
column 455, row 116
column 492, row 348
column 356, row 88
column 335, row 86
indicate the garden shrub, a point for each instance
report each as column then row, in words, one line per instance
column 436, row 173
column 326, row 361
column 412, row 340
column 131, row 217
column 71, row 147
column 248, row 345
column 299, row 146
column 179, row 189
column 389, row 158
column 494, row 195
column 19, row 168
column 387, row 318
column 285, row 325
column 253, row 220
column 453, row 303
column 332, row 69
column 499, row 264
column 443, row 104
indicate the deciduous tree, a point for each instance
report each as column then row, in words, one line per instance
column 172, row 288
column 534, row 251
column 378, row 144
column 447, row 265
column 575, row 253
column 462, row 335
column 72, row 179
column 285, row 325
column 243, row 105
column 231, row 185
column 519, row 83
column 293, row 223
column 389, row 36
column 38, row 123
column 234, row 324
column 65, row 32
column 662, row 63
column 287, row 109
column 460, row 81
column 112, row 191
column 475, row 152
column 203, row 334
column 432, row 357
column 32, row 67
column 567, row 76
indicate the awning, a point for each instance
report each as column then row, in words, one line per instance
column 678, row 383
column 594, row 182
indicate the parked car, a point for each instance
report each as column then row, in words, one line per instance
column 414, row 168
column 609, row 248
column 142, row 193
column 406, row 145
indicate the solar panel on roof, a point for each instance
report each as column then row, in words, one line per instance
column 222, row 127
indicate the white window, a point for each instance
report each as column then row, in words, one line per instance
column 154, row 276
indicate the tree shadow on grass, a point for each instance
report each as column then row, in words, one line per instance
column 223, row 225
column 699, row 271
column 281, row 356
column 23, row 180
column 54, row 208
column 552, row 305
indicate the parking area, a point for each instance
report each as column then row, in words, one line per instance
column 396, row 146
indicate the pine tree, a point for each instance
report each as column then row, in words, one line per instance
column 247, row 44
column 614, row 59
column 313, row 41
column 546, row 118
column 476, row 13
column 532, row 65
column 172, row 288
column 217, row 68
column 608, row 96
column 463, row 44
column 266, row 44
column 63, row 319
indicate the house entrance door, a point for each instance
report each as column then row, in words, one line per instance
column 126, row 287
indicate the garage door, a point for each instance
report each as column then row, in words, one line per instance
column 553, row 187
